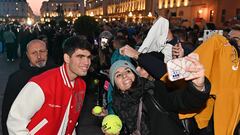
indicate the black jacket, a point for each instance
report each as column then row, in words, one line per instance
column 15, row 83
column 153, row 121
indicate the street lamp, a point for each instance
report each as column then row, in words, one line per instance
column 200, row 11
column 149, row 14
column 29, row 21
column 130, row 14
column 91, row 14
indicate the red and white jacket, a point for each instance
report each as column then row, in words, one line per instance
column 49, row 104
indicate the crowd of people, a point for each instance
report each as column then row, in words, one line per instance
column 46, row 95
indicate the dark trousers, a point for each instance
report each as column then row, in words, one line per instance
column 10, row 50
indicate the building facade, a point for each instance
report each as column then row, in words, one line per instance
column 11, row 10
column 61, row 9
column 216, row 11
column 134, row 10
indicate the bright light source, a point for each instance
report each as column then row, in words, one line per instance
column 130, row 14
column 149, row 14
column 200, row 11
column 29, row 21
column 91, row 14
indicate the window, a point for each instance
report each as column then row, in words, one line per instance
column 181, row 13
column 223, row 15
column 211, row 15
column 238, row 13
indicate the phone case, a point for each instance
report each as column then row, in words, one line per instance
column 176, row 69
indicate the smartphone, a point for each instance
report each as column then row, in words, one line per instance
column 104, row 42
column 176, row 68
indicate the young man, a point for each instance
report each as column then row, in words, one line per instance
column 36, row 62
column 49, row 104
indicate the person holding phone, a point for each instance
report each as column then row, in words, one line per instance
column 177, row 50
column 152, row 62
column 137, row 100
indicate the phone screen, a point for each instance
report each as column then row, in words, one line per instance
column 104, row 42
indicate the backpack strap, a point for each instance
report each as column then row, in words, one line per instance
column 137, row 131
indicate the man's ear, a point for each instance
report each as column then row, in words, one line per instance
column 66, row 58
column 27, row 54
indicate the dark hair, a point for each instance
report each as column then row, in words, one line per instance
column 120, row 40
column 76, row 42
column 41, row 37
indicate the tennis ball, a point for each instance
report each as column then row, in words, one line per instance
column 97, row 109
column 111, row 124
column 95, row 81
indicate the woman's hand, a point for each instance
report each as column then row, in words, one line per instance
column 197, row 70
column 177, row 51
column 129, row 51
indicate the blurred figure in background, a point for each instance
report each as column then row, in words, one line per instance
column 10, row 38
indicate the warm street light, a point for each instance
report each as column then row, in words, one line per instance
column 149, row 14
column 70, row 14
column 91, row 14
column 29, row 21
column 130, row 14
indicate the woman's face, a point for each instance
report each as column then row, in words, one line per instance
column 124, row 77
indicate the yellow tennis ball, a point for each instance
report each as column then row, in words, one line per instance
column 97, row 109
column 96, row 81
column 111, row 124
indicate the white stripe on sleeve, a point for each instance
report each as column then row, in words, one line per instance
column 27, row 103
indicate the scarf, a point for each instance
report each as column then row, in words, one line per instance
column 126, row 106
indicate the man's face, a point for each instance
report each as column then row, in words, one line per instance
column 235, row 34
column 37, row 54
column 78, row 64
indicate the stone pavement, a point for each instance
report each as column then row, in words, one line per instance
column 88, row 124
column 6, row 68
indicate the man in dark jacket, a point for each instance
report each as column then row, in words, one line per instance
column 35, row 63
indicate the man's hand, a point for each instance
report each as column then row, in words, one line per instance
column 197, row 71
column 129, row 51
column 177, row 51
